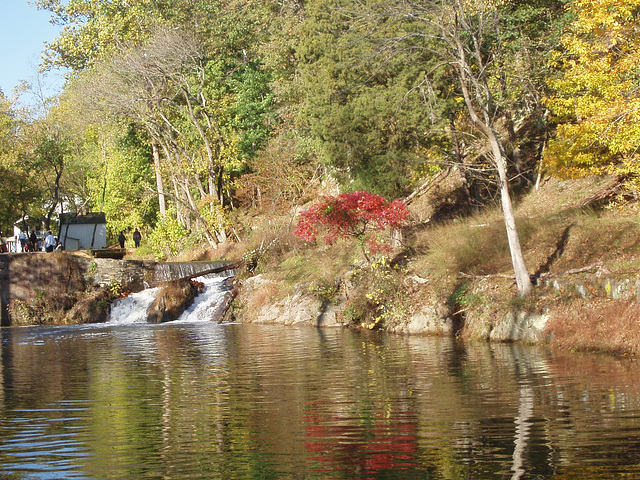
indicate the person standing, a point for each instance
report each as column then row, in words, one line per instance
column 33, row 241
column 23, row 241
column 137, row 237
column 121, row 239
column 49, row 242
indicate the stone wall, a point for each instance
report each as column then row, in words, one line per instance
column 130, row 274
column 594, row 285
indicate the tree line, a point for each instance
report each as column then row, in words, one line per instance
column 176, row 112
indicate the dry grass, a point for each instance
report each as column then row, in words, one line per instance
column 315, row 263
column 263, row 295
column 603, row 325
column 607, row 237
column 553, row 240
column 472, row 245
column 478, row 245
column 555, row 195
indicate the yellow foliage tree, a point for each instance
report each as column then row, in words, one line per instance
column 597, row 99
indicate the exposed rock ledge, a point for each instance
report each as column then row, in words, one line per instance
column 304, row 308
column 301, row 308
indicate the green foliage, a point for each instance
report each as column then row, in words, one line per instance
column 22, row 187
column 95, row 29
column 463, row 297
column 254, row 103
column 115, row 289
column 168, row 236
column 366, row 107
column 380, row 90
column 214, row 104
column 121, row 181
column 325, row 290
column 18, row 193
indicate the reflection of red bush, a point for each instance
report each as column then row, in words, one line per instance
column 342, row 445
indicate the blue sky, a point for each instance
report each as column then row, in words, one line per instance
column 23, row 31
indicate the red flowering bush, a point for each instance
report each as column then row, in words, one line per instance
column 356, row 214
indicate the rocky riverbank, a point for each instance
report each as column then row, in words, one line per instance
column 575, row 313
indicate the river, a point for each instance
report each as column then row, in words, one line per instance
column 202, row 400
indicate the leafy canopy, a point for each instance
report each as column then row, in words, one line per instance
column 597, row 100
column 363, row 101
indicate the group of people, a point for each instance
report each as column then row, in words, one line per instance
column 136, row 238
column 31, row 242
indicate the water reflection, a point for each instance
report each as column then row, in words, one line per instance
column 241, row 401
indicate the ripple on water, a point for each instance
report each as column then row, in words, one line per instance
column 202, row 400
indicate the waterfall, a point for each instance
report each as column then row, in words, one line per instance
column 207, row 306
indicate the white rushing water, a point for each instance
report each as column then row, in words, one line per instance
column 207, row 306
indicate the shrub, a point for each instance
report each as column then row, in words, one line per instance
column 168, row 236
column 324, row 290
column 380, row 297
column 356, row 214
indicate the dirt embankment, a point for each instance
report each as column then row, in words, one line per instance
column 453, row 276
column 39, row 286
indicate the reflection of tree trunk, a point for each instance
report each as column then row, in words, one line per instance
column 523, row 425
column 167, row 412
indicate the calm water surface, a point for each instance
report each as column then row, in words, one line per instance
column 211, row 401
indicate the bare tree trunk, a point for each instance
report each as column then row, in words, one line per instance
column 482, row 94
column 159, row 182
column 56, row 195
column 523, row 281
column 518, row 162
column 104, row 194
